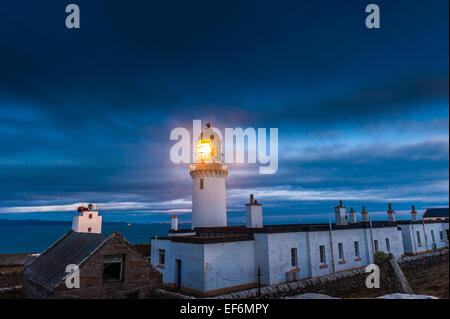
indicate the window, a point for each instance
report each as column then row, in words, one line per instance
column 388, row 245
column 419, row 241
column 89, row 229
column 90, row 216
column 441, row 235
column 322, row 255
column 201, row 183
column 113, row 268
column 341, row 251
column 162, row 256
column 294, row 261
column 432, row 236
column 375, row 243
column 356, row 249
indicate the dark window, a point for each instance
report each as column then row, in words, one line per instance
column 432, row 236
column 388, row 245
column 90, row 216
column 162, row 256
column 322, row 255
column 441, row 235
column 294, row 262
column 201, row 183
column 419, row 241
column 375, row 243
column 356, row 249
column 113, row 268
column 89, row 229
column 341, row 250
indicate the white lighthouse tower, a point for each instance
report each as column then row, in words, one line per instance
column 208, row 174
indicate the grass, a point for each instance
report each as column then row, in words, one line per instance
column 433, row 281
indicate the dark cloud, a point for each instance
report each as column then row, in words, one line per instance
column 88, row 113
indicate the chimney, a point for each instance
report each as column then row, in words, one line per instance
column 254, row 213
column 364, row 214
column 352, row 216
column 413, row 214
column 391, row 213
column 340, row 213
column 174, row 223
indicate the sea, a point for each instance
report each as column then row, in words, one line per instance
column 37, row 237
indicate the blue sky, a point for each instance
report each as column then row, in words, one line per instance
column 86, row 114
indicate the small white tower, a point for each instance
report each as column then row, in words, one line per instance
column 413, row 214
column 352, row 216
column 254, row 214
column 364, row 215
column 340, row 213
column 174, row 225
column 87, row 220
column 391, row 213
column 208, row 174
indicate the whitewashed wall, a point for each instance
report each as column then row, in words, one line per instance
column 192, row 265
column 411, row 241
column 229, row 264
column 82, row 223
column 209, row 203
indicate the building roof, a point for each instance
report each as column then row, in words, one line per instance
column 212, row 235
column 49, row 269
column 436, row 213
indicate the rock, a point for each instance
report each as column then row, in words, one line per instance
column 406, row 296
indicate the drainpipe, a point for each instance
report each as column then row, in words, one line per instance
column 331, row 245
column 425, row 234
column 371, row 240
column 414, row 239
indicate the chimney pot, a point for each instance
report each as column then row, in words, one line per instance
column 251, row 198
column 174, row 225
column 340, row 203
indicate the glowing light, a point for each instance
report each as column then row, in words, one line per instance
column 204, row 150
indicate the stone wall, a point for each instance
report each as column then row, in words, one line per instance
column 343, row 282
column 139, row 277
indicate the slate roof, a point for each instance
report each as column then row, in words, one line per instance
column 49, row 269
column 436, row 212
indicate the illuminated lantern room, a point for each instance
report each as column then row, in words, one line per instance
column 209, row 146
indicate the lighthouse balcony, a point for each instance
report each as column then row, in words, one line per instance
column 208, row 166
column 201, row 170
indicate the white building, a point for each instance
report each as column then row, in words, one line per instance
column 212, row 258
column 87, row 221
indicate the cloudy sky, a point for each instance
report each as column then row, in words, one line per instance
column 85, row 115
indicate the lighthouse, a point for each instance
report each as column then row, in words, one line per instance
column 208, row 175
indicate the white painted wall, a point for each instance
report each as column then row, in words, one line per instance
column 209, row 203
column 411, row 241
column 192, row 264
column 85, row 220
column 229, row 264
